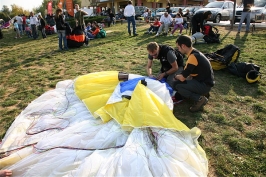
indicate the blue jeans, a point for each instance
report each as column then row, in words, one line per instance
column 131, row 20
column 244, row 15
column 62, row 37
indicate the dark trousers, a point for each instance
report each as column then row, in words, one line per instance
column 191, row 89
column 43, row 33
column 129, row 21
column 195, row 26
column 34, row 31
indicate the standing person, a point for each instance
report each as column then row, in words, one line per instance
column 33, row 25
column 20, row 23
column 79, row 16
column 16, row 28
column 178, row 21
column 171, row 64
column 245, row 14
column 198, row 20
column 42, row 26
column 197, row 78
column 111, row 18
column 165, row 21
column 168, row 8
column 61, row 29
column 129, row 13
column 24, row 23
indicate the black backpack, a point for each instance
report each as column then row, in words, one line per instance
column 211, row 34
column 223, row 57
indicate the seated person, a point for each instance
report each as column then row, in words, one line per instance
column 28, row 31
column 188, row 16
column 88, row 27
column 178, row 23
column 154, row 26
column 93, row 34
column 165, row 20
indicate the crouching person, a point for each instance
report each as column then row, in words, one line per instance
column 197, row 78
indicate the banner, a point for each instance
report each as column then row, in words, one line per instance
column 50, row 8
column 70, row 7
column 60, row 4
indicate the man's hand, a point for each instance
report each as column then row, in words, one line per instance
column 161, row 76
column 153, row 77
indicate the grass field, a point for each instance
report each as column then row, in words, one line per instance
column 233, row 123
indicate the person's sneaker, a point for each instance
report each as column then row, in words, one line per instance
column 171, row 34
column 199, row 104
column 179, row 34
column 238, row 32
column 157, row 34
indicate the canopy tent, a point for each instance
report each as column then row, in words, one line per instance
column 94, row 126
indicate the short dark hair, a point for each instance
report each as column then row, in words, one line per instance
column 129, row 2
column 205, row 14
column 184, row 39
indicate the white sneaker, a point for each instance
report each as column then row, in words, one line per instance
column 157, row 34
column 179, row 34
column 171, row 34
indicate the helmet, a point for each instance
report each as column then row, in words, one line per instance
column 253, row 76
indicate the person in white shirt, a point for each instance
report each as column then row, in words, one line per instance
column 178, row 21
column 166, row 21
column 129, row 13
column 33, row 24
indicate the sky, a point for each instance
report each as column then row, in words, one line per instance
column 25, row 4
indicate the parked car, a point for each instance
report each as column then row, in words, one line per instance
column 192, row 9
column 258, row 9
column 221, row 10
column 139, row 10
column 160, row 12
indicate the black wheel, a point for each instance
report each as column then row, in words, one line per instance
column 217, row 19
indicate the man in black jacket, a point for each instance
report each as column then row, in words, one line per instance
column 198, row 20
column 247, row 4
column 171, row 61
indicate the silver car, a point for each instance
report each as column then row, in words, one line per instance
column 221, row 10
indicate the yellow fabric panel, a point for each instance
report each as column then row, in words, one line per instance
column 102, row 114
column 146, row 109
column 117, row 110
column 94, row 103
column 96, row 83
column 15, row 157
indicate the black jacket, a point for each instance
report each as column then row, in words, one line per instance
column 60, row 23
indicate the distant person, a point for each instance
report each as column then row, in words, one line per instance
column 129, row 13
column 33, row 25
column 61, row 29
column 79, row 16
column 111, row 18
column 171, row 64
column 197, row 78
column 247, row 4
column 198, row 19
column 5, row 173
column 178, row 23
column 42, row 26
column 16, row 28
column 20, row 24
column 165, row 20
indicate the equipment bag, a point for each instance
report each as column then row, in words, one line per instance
column 223, row 57
column 211, row 34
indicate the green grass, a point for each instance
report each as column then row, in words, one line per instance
column 233, row 123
